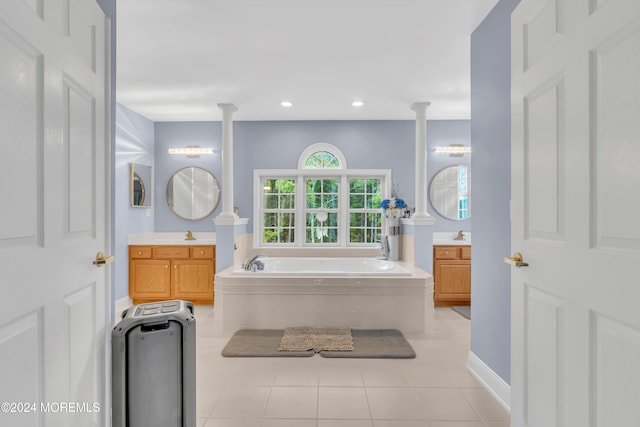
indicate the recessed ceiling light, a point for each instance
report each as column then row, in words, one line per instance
column 357, row 103
column 286, row 104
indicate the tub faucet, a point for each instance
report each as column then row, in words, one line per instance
column 252, row 264
column 460, row 236
column 384, row 248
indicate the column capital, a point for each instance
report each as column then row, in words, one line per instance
column 420, row 107
column 228, row 108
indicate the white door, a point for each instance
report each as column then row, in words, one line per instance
column 54, row 321
column 576, row 213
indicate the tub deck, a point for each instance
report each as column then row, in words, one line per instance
column 277, row 301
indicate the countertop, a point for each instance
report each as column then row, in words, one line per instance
column 172, row 238
column 446, row 238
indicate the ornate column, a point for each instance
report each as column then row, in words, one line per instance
column 228, row 225
column 227, row 160
column 421, row 159
column 421, row 223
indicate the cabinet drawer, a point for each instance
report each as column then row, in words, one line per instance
column 202, row 252
column 446, row 252
column 140, row 252
column 465, row 252
column 166, row 252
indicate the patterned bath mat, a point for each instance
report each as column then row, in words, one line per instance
column 316, row 339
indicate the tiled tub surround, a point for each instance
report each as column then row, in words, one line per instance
column 278, row 301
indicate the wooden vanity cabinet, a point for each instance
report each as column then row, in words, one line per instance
column 159, row 273
column 451, row 275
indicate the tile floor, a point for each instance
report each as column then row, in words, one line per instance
column 433, row 390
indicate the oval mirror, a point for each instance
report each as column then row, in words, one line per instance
column 141, row 180
column 449, row 192
column 193, row 193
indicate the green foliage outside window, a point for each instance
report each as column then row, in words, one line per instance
column 279, row 210
column 322, row 196
column 365, row 218
column 322, row 160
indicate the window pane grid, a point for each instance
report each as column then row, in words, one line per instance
column 278, row 213
column 322, row 196
column 365, row 218
column 322, row 160
column 332, row 210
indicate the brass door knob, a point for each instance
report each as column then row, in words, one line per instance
column 102, row 259
column 516, row 260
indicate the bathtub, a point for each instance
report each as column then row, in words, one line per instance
column 347, row 292
column 315, row 266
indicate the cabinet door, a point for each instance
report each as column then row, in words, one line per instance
column 149, row 279
column 454, row 281
column 193, row 280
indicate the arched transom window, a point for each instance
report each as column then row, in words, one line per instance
column 322, row 156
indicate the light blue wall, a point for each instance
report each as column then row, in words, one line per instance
column 273, row 145
column 180, row 135
column 490, row 163
column 134, row 143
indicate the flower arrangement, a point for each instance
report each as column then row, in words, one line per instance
column 393, row 207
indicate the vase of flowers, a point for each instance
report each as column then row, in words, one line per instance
column 393, row 210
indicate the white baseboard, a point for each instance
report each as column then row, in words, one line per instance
column 121, row 305
column 490, row 380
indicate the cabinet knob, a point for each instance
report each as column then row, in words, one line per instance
column 139, row 252
column 446, row 252
column 175, row 266
column 201, row 252
column 166, row 266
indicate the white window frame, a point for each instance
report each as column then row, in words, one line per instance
column 300, row 175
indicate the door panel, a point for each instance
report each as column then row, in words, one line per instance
column 575, row 160
column 543, row 332
column 617, row 351
column 544, row 148
column 614, row 67
column 79, row 143
column 54, row 317
column 23, row 369
column 21, row 103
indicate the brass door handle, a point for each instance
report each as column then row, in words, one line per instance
column 102, row 259
column 516, row 260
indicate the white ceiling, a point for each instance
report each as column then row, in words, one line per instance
column 177, row 59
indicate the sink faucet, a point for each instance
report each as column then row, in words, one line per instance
column 460, row 236
column 189, row 236
column 384, row 248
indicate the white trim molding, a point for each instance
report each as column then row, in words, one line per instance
column 121, row 305
column 491, row 381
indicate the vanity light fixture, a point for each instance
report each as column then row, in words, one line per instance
column 191, row 151
column 454, row 150
column 286, row 104
column 357, row 103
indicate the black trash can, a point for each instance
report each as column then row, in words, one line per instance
column 154, row 366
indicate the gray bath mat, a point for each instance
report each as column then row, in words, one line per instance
column 376, row 344
column 368, row 343
column 463, row 310
column 259, row 343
